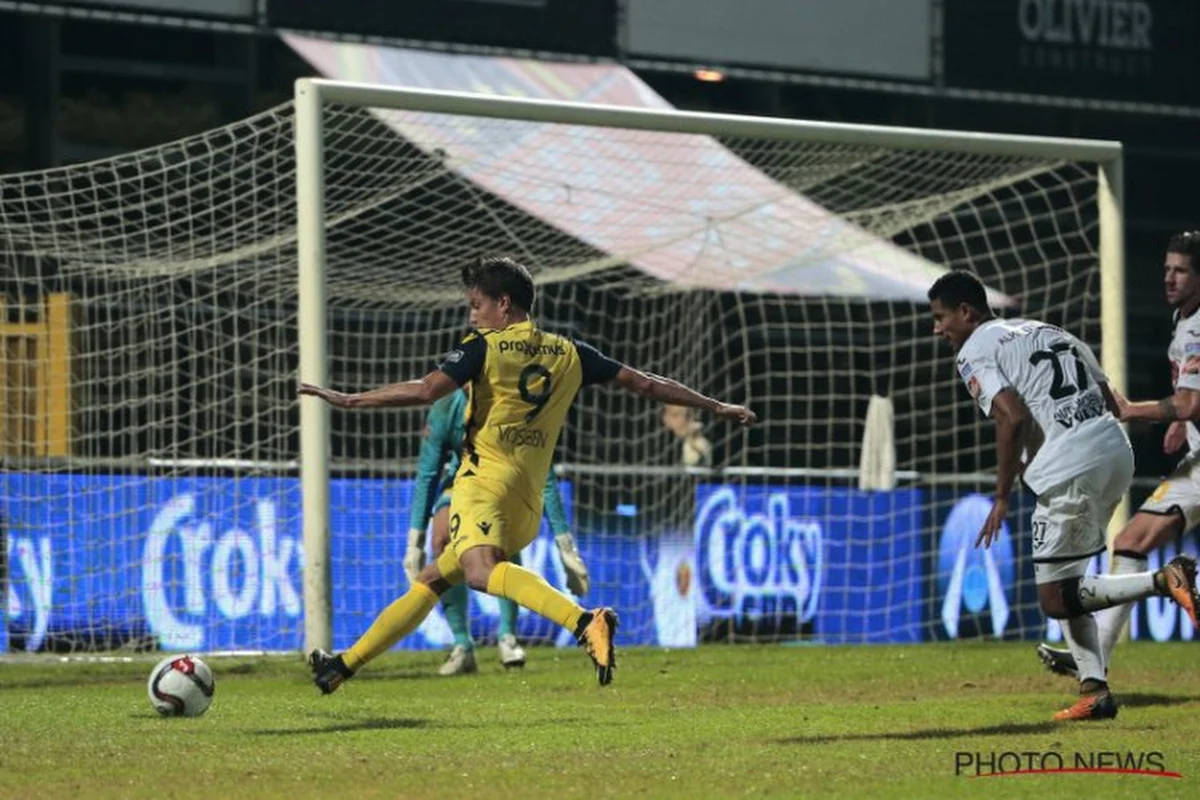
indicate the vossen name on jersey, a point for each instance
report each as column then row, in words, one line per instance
column 522, row 436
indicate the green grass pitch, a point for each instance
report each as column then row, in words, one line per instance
column 719, row 721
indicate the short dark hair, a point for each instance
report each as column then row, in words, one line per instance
column 497, row 275
column 1187, row 243
column 957, row 287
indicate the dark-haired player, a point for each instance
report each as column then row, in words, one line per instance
column 1049, row 397
column 521, row 381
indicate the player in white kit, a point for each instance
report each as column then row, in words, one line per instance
column 1174, row 507
column 1050, row 398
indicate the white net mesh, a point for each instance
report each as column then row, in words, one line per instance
column 152, row 498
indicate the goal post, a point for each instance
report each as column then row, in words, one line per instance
column 1110, row 200
column 314, row 414
column 315, row 96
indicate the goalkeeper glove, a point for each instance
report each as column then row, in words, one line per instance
column 577, row 574
column 414, row 557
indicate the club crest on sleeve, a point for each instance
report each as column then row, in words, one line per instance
column 964, row 368
column 454, row 357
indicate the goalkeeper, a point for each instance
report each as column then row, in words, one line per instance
column 441, row 452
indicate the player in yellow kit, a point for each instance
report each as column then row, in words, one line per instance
column 521, row 381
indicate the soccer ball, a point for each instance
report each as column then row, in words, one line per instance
column 181, row 686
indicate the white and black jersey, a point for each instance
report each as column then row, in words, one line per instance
column 1184, row 354
column 1181, row 491
column 1058, row 378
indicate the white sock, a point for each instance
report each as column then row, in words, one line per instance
column 1111, row 621
column 1084, row 641
column 1105, row 591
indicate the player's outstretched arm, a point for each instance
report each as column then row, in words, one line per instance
column 429, row 389
column 1176, row 434
column 665, row 390
column 1183, row 405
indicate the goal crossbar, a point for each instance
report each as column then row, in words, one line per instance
column 713, row 124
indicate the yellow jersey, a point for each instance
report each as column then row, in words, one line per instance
column 520, row 383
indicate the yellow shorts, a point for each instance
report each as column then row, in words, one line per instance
column 484, row 513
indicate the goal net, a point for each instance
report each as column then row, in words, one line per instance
column 154, row 331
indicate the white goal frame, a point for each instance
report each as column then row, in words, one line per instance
column 311, row 95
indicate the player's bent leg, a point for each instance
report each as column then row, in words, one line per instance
column 1058, row 594
column 1177, row 499
column 1147, row 531
column 594, row 630
column 394, row 623
column 487, row 571
column 1073, row 596
column 484, row 527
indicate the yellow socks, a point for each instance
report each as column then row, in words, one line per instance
column 394, row 623
column 530, row 590
column 507, row 580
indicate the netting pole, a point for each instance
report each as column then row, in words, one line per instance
column 314, row 414
column 1111, row 205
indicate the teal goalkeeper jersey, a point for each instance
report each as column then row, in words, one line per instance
column 441, row 451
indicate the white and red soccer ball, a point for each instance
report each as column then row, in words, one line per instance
column 181, row 686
